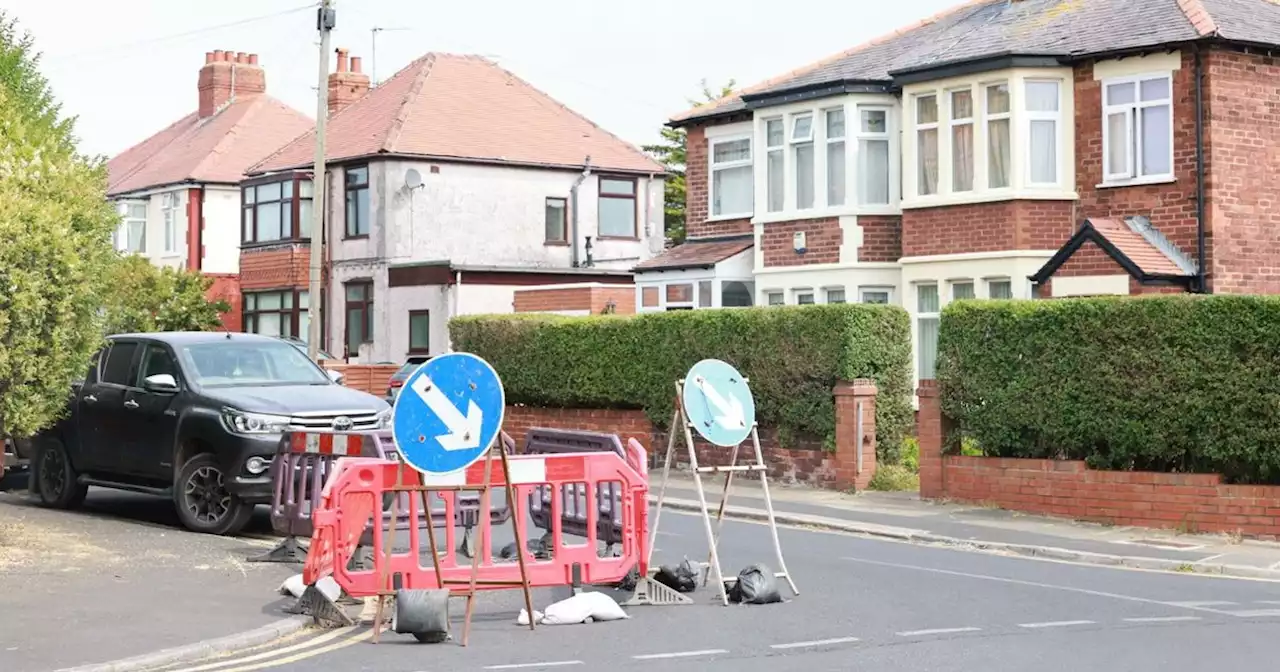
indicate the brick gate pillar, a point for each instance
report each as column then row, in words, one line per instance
column 849, row 395
column 931, row 431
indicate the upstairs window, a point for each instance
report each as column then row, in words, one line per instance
column 275, row 211
column 1137, row 130
column 170, row 202
column 731, row 177
column 927, row 145
column 873, row 155
column 557, row 219
column 802, row 156
column 1042, row 138
column 835, row 156
column 617, row 207
column 135, row 221
column 357, row 199
column 962, row 140
column 775, row 139
column 997, row 119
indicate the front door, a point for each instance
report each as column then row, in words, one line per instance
column 152, row 417
column 103, row 425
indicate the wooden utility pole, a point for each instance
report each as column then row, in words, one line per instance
column 326, row 19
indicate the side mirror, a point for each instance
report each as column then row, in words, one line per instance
column 161, row 383
column 335, row 375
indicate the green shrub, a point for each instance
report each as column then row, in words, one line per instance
column 793, row 357
column 910, row 454
column 894, row 478
column 1172, row 383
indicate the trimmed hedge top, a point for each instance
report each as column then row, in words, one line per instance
column 793, row 356
column 1169, row 383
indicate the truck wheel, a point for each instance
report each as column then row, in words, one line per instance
column 204, row 503
column 57, row 486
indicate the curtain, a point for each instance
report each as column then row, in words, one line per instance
column 998, row 156
column 962, row 158
column 804, row 176
column 1118, row 143
column 776, row 178
column 835, row 173
column 875, row 172
column 1044, row 151
column 1156, row 152
column 928, row 152
column 732, row 188
column 928, row 347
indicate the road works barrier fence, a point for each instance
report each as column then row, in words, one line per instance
column 353, row 492
column 303, row 463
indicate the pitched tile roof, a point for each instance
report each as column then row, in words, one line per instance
column 466, row 107
column 215, row 149
column 1135, row 238
column 989, row 28
column 696, row 254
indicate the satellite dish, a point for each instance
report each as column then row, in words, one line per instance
column 412, row 178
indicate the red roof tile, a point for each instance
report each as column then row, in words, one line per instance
column 216, row 149
column 465, row 107
column 694, row 253
column 1138, row 249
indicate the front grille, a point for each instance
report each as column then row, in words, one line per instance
column 360, row 421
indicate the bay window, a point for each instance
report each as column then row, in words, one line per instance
column 927, row 144
column 1042, row 138
column 276, row 211
column 962, row 140
column 802, row 155
column 835, row 156
column 1137, row 129
column 776, row 169
column 996, row 120
column 873, row 155
column 731, row 177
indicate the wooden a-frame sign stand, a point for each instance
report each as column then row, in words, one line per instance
column 681, row 426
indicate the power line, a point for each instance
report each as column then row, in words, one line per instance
column 177, row 36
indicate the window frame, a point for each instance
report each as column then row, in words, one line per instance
column 564, row 220
column 862, row 136
column 827, row 291
column 769, row 295
column 249, row 209
column 128, row 219
column 169, row 206
column 350, row 187
column 772, row 150
column 712, row 167
column 989, row 282
column 828, row 141
column 953, row 284
column 366, row 305
column 804, row 291
column 920, row 318
column 866, row 289
column 1133, row 129
column 633, row 197
column 796, row 142
column 987, row 118
column 249, row 317
column 954, row 123
column 419, row 313
column 918, row 128
column 1032, row 116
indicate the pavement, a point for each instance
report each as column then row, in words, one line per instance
column 886, row 582
column 120, row 578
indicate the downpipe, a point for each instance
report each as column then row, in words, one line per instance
column 573, row 207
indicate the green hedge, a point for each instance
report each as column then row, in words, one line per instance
column 1171, row 383
column 792, row 355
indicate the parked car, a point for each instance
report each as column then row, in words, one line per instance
column 194, row 416
column 401, row 375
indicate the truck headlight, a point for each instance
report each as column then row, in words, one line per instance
column 384, row 419
column 254, row 423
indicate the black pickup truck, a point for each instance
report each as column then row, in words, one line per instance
column 194, row 416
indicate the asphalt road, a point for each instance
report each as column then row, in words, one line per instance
column 864, row 604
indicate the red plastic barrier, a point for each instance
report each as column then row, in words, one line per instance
column 354, row 492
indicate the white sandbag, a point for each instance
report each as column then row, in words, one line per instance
column 330, row 588
column 582, row 608
column 523, row 618
column 293, row 586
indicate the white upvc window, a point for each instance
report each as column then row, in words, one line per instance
column 135, row 225
column 804, row 297
column 774, row 298
column 873, row 155
column 170, row 203
column 926, row 115
column 880, row 295
column 836, row 163
column 835, row 294
column 1137, row 128
column 962, row 289
column 775, row 160
column 1044, row 110
column 999, row 288
column 928, row 308
column 732, row 184
column 961, row 118
column 997, row 124
column 803, row 160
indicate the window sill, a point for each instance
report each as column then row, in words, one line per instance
column 989, row 196
column 630, row 239
column 827, row 213
column 556, row 243
column 728, row 218
column 1138, row 182
column 363, row 236
column 247, row 246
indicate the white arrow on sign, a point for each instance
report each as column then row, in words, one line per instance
column 464, row 431
column 731, row 413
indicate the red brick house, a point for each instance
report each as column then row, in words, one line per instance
column 178, row 190
column 1000, row 149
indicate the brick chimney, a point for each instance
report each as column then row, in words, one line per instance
column 347, row 84
column 227, row 76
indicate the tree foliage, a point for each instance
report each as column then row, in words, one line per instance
column 794, row 356
column 671, row 154
column 55, row 229
column 143, row 297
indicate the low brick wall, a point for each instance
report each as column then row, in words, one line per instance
column 1189, row 502
column 804, row 462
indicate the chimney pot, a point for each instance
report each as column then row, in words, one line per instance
column 355, row 64
column 208, row 57
column 242, row 57
column 253, row 59
column 219, row 55
column 342, row 59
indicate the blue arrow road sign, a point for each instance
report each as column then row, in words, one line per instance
column 448, row 413
column 718, row 402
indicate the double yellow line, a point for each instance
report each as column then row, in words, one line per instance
column 303, row 650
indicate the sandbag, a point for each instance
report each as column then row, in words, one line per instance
column 583, row 608
column 756, row 585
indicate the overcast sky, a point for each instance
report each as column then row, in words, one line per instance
column 128, row 68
